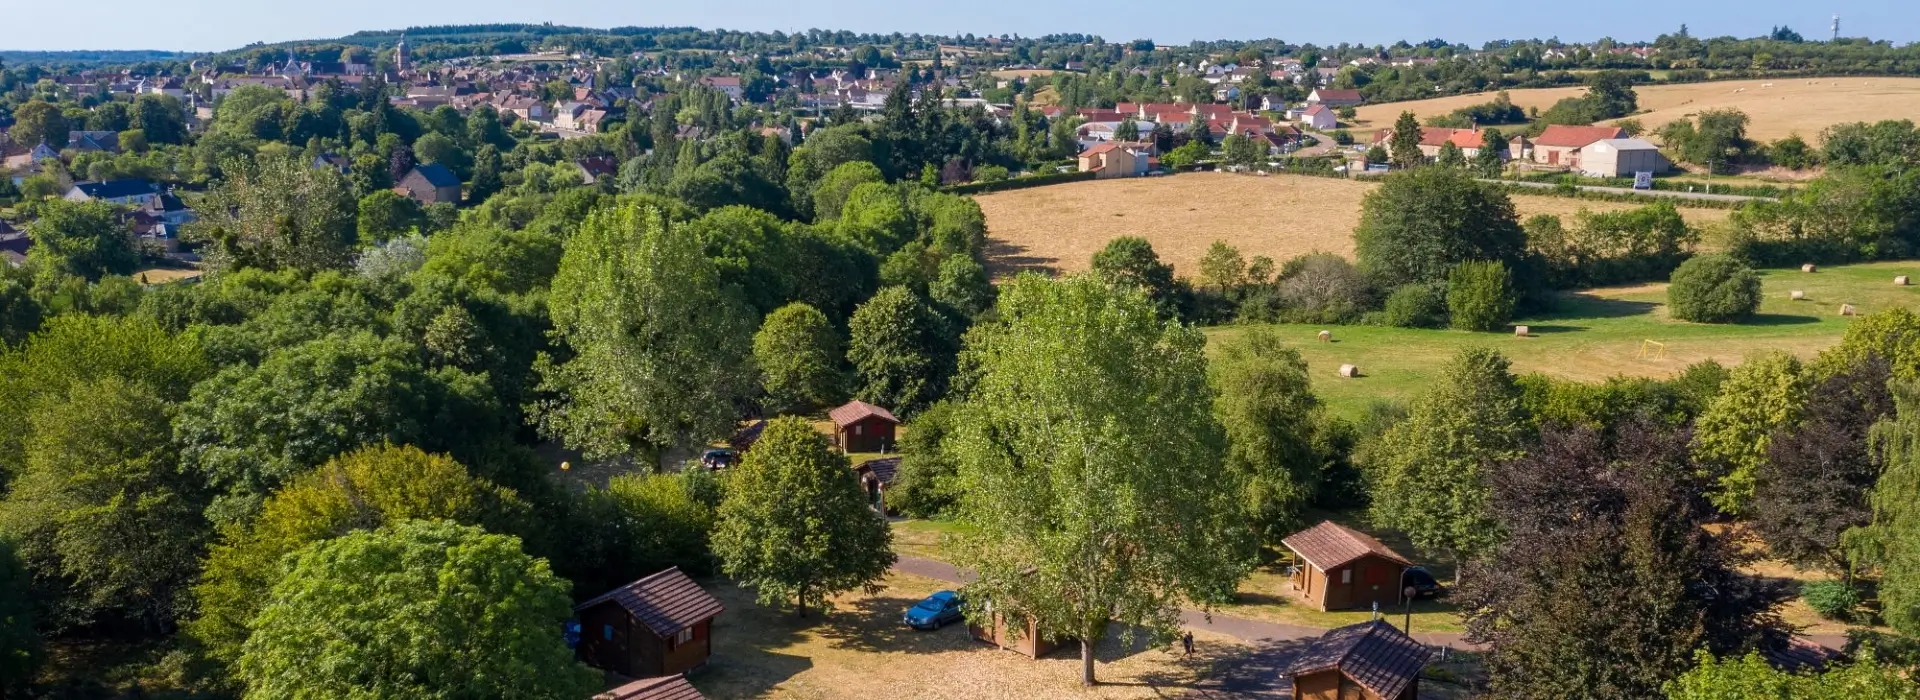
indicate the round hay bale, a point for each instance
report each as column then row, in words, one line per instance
column 1326, row 336
column 1846, row 310
column 1796, row 295
column 1520, row 331
column 1900, row 280
column 1349, row 371
column 1809, row 267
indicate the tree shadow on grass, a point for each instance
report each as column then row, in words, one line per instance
column 1008, row 259
column 1579, row 305
column 1236, row 673
column 1779, row 320
column 873, row 624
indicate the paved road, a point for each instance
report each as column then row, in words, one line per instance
column 1644, row 193
column 1325, row 145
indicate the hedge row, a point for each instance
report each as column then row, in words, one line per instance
column 1668, row 185
column 1020, row 182
column 1511, row 188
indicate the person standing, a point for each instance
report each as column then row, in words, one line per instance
column 1186, row 642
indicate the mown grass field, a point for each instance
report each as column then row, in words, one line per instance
column 1599, row 334
column 1776, row 107
column 1059, row 227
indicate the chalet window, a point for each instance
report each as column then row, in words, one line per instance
column 607, row 632
column 857, row 429
column 685, row 635
column 1346, row 575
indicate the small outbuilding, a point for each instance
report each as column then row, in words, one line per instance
column 863, row 427
column 1342, row 568
column 660, row 625
column 1029, row 642
column 432, row 183
column 876, row 476
column 1621, row 158
column 674, row 687
column 1367, row 661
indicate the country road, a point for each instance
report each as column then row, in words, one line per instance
column 1702, row 196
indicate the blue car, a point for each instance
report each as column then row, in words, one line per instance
column 935, row 612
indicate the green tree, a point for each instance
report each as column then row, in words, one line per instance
column 1404, row 143
column 902, row 351
column 926, row 484
column 1429, row 478
column 425, row 609
column 1128, row 130
column 1222, row 268
column 662, row 353
column 36, row 122
column 85, row 239
column 795, row 524
column 101, row 511
column 1892, row 335
column 1451, row 156
column 1491, row 159
column 1417, row 226
column 19, row 645
column 1089, row 466
column 367, row 488
column 1891, row 545
column 161, row 118
column 799, row 356
column 440, row 148
column 1479, row 296
column 1244, row 150
column 1713, row 289
column 1129, row 261
column 1812, row 488
column 836, row 185
column 1266, row 406
column 385, row 214
column 1752, row 677
column 277, row 213
column 640, row 525
column 486, row 174
column 1761, row 396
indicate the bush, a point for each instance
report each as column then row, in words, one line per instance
column 1834, row 600
column 1713, row 289
column 1342, row 137
column 1321, row 288
column 989, row 173
column 1479, row 295
column 1416, row 306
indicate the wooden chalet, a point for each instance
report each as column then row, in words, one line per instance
column 1341, row 568
column 863, row 427
column 674, row 687
column 660, row 625
column 1367, row 661
column 1028, row 642
column 876, row 476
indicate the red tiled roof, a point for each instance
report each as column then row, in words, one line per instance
column 1094, row 151
column 1330, row 545
column 1327, row 94
column 856, row 411
column 1577, row 136
column 666, row 602
column 673, row 687
column 1373, row 654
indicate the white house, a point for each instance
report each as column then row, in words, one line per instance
column 1319, row 117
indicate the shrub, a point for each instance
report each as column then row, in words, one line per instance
column 989, row 173
column 1713, row 289
column 1416, row 306
column 1834, row 600
column 1342, row 137
column 1479, row 295
column 1321, row 288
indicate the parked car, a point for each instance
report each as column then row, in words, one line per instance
column 934, row 612
column 1423, row 583
column 719, row 459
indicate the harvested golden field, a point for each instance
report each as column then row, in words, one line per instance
column 1059, row 227
column 1776, row 107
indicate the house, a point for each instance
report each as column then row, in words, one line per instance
column 1334, row 98
column 432, row 183
column 1366, row 661
column 729, row 84
column 1319, row 117
column 1435, row 138
column 1109, row 160
column 674, row 687
column 14, row 244
column 660, row 625
column 1560, row 144
column 593, row 168
column 1341, row 568
column 94, row 141
column 339, row 163
column 863, row 427
column 168, row 209
column 1620, row 158
column 135, row 192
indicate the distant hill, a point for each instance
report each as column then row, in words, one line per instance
column 77, row 58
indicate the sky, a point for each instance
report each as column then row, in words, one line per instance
column 217, row 25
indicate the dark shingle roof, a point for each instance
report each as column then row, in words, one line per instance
column 666, row 602
column 113, row 189
column 1330, row 545
column 883, row 468
column 857, row 411
column 438, row 175
column 1373, row 654
column 673, row 687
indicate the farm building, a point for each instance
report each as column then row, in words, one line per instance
column 1335, row 98
column 1110, row 160
column 674, row 687
column 1367, row 661
column 1621, row 158
column 1343, row 568
column 1560, row 145
column 863, row 427
column 660, row 625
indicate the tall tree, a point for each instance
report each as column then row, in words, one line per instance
column 36, row 122
column 425, row 609
column 1404, row 144
column 902, row 350
column 662, row 353
column 19, row 645
column 1761, row 395
column 1130, row 261
column 1430, row 477
column 1607, row 580
column 278, row 213
column 1266, row 405
column 1892, row 543
column 1491, row 159
column 1451, row 156
column 795, row 524
column 1089, row 466
column 1812, row 489
column 1416, row 226
column 85, row 239
column 799, row 356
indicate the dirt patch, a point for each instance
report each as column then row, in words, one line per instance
column 1058, row 228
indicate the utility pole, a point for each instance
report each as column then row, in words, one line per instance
column 1836, row 27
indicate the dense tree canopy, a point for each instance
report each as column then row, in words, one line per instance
column 1416, row 226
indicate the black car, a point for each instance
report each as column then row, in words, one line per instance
column 1423, row 583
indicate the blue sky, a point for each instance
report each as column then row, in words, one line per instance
column 206, row 25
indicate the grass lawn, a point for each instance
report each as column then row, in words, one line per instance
column 861, row 650
column 1599, row 334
